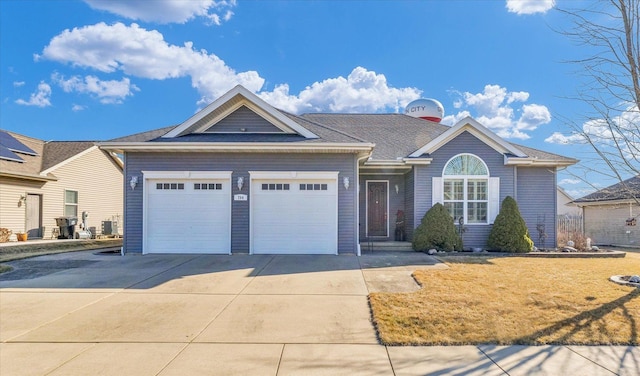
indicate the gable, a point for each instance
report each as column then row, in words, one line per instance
column 227, row 105
column 243, row 120
column 478, row 130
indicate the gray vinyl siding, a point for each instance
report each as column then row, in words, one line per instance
column 476, row 235
column 409, row 195
column 396, row 201
column 243, row 120
column 536, row 199
column 240, row 164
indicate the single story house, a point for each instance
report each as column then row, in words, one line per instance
column 611, row 215
column 241, row 176
column 41, row 181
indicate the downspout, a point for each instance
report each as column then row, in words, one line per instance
column 124, row 204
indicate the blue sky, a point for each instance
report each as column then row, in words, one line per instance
column 96, row 69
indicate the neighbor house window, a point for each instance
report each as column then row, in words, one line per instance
column 70, row 203
column 465, row 189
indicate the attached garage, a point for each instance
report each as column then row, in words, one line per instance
column 187, row 212
column 294, row 212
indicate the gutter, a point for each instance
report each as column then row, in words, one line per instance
column 34, row 177
column 238, row 147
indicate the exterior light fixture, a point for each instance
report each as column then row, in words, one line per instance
column 22, row 200
column 397, row 189
column 240, row 183
column 133, row 182
column 345, row 182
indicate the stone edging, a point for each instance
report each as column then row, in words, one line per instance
column 607, row 254
column 618, row 279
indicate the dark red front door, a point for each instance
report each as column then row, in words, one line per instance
column 377, row 208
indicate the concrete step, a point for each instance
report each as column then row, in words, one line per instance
column 386, row 246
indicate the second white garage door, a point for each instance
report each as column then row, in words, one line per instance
column 294, row 213
column 188, row 216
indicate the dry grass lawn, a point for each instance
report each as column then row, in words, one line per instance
column 514, row 300
column 27, row 249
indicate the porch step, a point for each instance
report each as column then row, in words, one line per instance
column 386, row 246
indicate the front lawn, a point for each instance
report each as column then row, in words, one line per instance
column 514, row 300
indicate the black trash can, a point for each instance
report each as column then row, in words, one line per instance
column 67, row 226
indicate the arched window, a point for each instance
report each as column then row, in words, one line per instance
column 465, row 189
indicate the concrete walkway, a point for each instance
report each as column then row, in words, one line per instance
column 89, row 313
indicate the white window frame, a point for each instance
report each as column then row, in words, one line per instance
column 73, row 204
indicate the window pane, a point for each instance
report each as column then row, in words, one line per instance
column 70, row 197
column 465, row 165
column 477, row 212
column 455, row 209
column 70, row 210
column 477, row 190
column 454, row 189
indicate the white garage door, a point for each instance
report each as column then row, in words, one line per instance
column 294, row 216
column 188, row 216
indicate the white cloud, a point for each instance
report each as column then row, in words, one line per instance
column 569, row 181
column 361, row 91
column 497, row 108
column 167, row 11
column 144, row 53
column 41, row 98
column 617, row 137
column 107, row 91
column 78, row 107
column 18, row 83
column 529, row 6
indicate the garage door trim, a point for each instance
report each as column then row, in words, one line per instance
column 186, row 175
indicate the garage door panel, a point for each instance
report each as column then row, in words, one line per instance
column 188, row 220
column 295, row 220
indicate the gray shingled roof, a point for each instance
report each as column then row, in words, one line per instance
column 395, row 135
column 49, row 154
column 59, row 151
column 624, row 190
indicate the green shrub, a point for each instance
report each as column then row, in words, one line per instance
column 437, row 231
column 509, row 232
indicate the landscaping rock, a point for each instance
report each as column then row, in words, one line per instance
column 634, row 279
column 571, row 243
column 569, row 249
column 432, row 251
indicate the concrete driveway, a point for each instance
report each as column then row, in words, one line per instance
column 87, row 313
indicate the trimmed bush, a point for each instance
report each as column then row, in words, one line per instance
column 509, row 232
column 437, row 231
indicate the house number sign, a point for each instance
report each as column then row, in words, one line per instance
column 239, row 197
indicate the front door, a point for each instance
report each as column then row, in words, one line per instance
column 34, row 216
column 377, row 208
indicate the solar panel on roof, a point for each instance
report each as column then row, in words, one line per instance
column 8, row 155
column 9, row 142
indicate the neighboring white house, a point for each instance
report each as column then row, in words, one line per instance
column 565, row 205
column 40, row 181
column 612, row 215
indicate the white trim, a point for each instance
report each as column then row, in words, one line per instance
column 535, row 161
column 366, row 185
column 328, row 147
column 251, row 98
column 418, row 161
column 70, row 159
column 475, row 128
column 293, row 175
column 187, row 175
